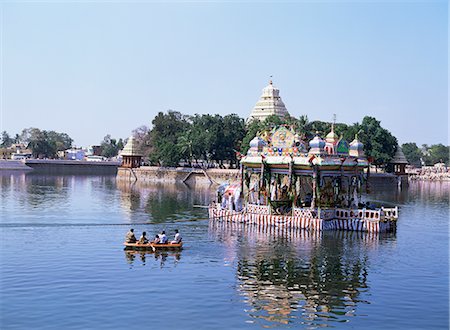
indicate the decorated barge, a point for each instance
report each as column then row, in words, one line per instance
column 284, row 184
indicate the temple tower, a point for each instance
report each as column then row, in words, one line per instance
column 269, row 103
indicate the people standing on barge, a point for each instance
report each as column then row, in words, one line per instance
column 129, row 237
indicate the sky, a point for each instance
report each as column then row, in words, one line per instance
column 91, row 68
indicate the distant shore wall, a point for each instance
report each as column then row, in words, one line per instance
column 177, row 174
column 197, row 176
column 51, row 166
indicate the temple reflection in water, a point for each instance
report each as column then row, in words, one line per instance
column 297, row 276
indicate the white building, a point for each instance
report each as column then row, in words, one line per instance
column 269, row 103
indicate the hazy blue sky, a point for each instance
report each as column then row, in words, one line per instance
column 92, row 68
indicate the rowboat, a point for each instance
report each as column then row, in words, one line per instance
column 153, row 246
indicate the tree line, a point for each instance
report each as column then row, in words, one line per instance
column 178, row 138
column 47, row 144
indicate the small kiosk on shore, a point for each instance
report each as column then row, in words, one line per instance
column 285, row 184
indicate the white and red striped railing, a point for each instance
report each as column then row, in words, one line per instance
column 372, row 221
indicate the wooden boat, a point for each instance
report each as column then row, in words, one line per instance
column 153, row 246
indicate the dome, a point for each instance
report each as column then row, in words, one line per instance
column 316, row 145
column 131, row 148
column 342, row 147
column 257, row 143
column 356, row 148
column 332, row 137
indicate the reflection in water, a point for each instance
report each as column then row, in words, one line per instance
column 297, row 276
column 160, row 257
column 162, row 202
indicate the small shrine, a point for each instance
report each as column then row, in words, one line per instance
column 285, row 184
column 131, row 155
column 270, row 103
column 398, row 164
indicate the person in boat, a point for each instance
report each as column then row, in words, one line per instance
column 129, row 237
column 143, row 239
column 177, row 238
column 156, row 239
column 163, row 238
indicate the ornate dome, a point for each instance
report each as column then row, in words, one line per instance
column 342, row 147
column 356, row 148
column 316, row 145
column 257, row 143
column 332, row 137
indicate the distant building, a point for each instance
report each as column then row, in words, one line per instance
column 74, row 154
column 269, row 103
column 16, row 151
column 94, row 151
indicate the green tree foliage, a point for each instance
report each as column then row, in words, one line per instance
column 379, row 143
column 233, row 134
column 207, row 138
column 45, row 144
column 436, row 153
column 6, row 140
column 412, row 153
column 167, row 129
column 111, row 147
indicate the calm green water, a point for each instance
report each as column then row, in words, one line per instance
column 63, row 265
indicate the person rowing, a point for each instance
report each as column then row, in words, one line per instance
column 143, row 239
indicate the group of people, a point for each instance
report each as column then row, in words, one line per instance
column 159, row 238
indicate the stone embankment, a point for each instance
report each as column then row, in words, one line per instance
column 12, row 165
column 155, row 174
column 191, row 176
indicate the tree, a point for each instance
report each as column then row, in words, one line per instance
column 378, row 142
column 167, row 128
column 7, row 141
column 110, row 146
column 45, row 144
column 61, row 141
column 233, row 134
column 436, row 153
column 412, row 153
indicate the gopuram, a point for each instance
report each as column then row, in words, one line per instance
column 286, row 185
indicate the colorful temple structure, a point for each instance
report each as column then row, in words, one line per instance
column 285, row 184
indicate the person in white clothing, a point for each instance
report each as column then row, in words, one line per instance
column 163, row 238
column 177, row 238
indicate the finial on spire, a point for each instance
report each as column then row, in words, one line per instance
column 334, row 122
column 270, row 80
